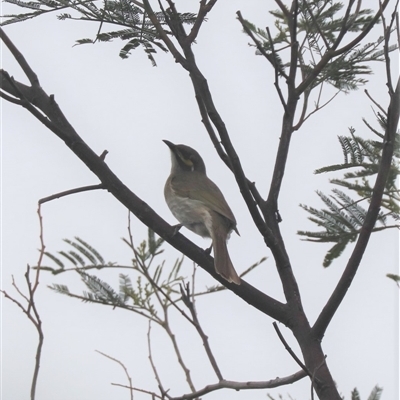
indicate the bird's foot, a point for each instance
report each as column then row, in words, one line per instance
column 208, row 250
column 176, row 228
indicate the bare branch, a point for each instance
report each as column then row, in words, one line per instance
column 375, row 102
column 142, row 210
column 387, row 33
column 153, row 366
column 31, row 311
column 204, row 9
column 276, row 83
column 11, row 99
column 273, row 383
column 290, row 351
column 260, row 48
column 152, row 394
column 30, row 74
column 71, row 191
column 317, row 108
column 186, row 370
column 123, row 367
column 188, row 300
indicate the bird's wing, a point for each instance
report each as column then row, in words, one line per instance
column 206, row 191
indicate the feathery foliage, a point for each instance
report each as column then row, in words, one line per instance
column 80, row 252
column 319, row 26
column 376, row 393
column 344, row 216
column 139, row 293
column 136, row 29
column 394, row 277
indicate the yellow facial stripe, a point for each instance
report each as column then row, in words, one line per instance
column 187, row 161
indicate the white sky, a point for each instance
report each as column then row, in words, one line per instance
column 128, row 107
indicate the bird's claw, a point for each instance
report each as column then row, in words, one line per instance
column 176, row 228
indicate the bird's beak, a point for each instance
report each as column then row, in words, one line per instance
column 170, row 145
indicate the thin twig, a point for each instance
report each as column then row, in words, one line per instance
column 171, row 47
column 260, row 48
column 122, row 306
column 188, row 300
column 164, row 324
column 276, row 83
column 154, row 395
column 375, row 102
column 387, row 32
column 185, row 369
column 18, row 290
column 31, row 311
column 71, row 191
column 124, row 368
column 317, row 108
column 290, row 351
column 153, row 366
column 317, row 25
column 155, row 286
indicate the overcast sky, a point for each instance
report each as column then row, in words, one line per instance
column 127, row 107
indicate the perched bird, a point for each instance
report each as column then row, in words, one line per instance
column 199, row 205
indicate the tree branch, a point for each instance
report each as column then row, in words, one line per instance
column 273, row 383
column 349, row 273
column 123, row 367
column 272, row 59
column 192, row 308
column 334, row 52
column 69, row 192
column 204, row 9
column 143, row 211
column 171, row 47
column 31, row 311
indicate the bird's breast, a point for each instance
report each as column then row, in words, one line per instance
column 192, row 214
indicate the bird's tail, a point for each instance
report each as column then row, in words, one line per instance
column 222, row 261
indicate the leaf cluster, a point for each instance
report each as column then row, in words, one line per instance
column 81, row 255
column 344, row 216
column 374, row 395
column 138, row 30
column 319, row 25
column 138, row 294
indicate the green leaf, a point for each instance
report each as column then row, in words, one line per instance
column 376, row 393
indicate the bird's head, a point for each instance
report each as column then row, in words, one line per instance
column 184, row 158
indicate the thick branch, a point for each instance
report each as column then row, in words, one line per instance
column 209, row 111
column 141, row 210
column 204, row 9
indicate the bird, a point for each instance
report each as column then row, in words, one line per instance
column 199, row 205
